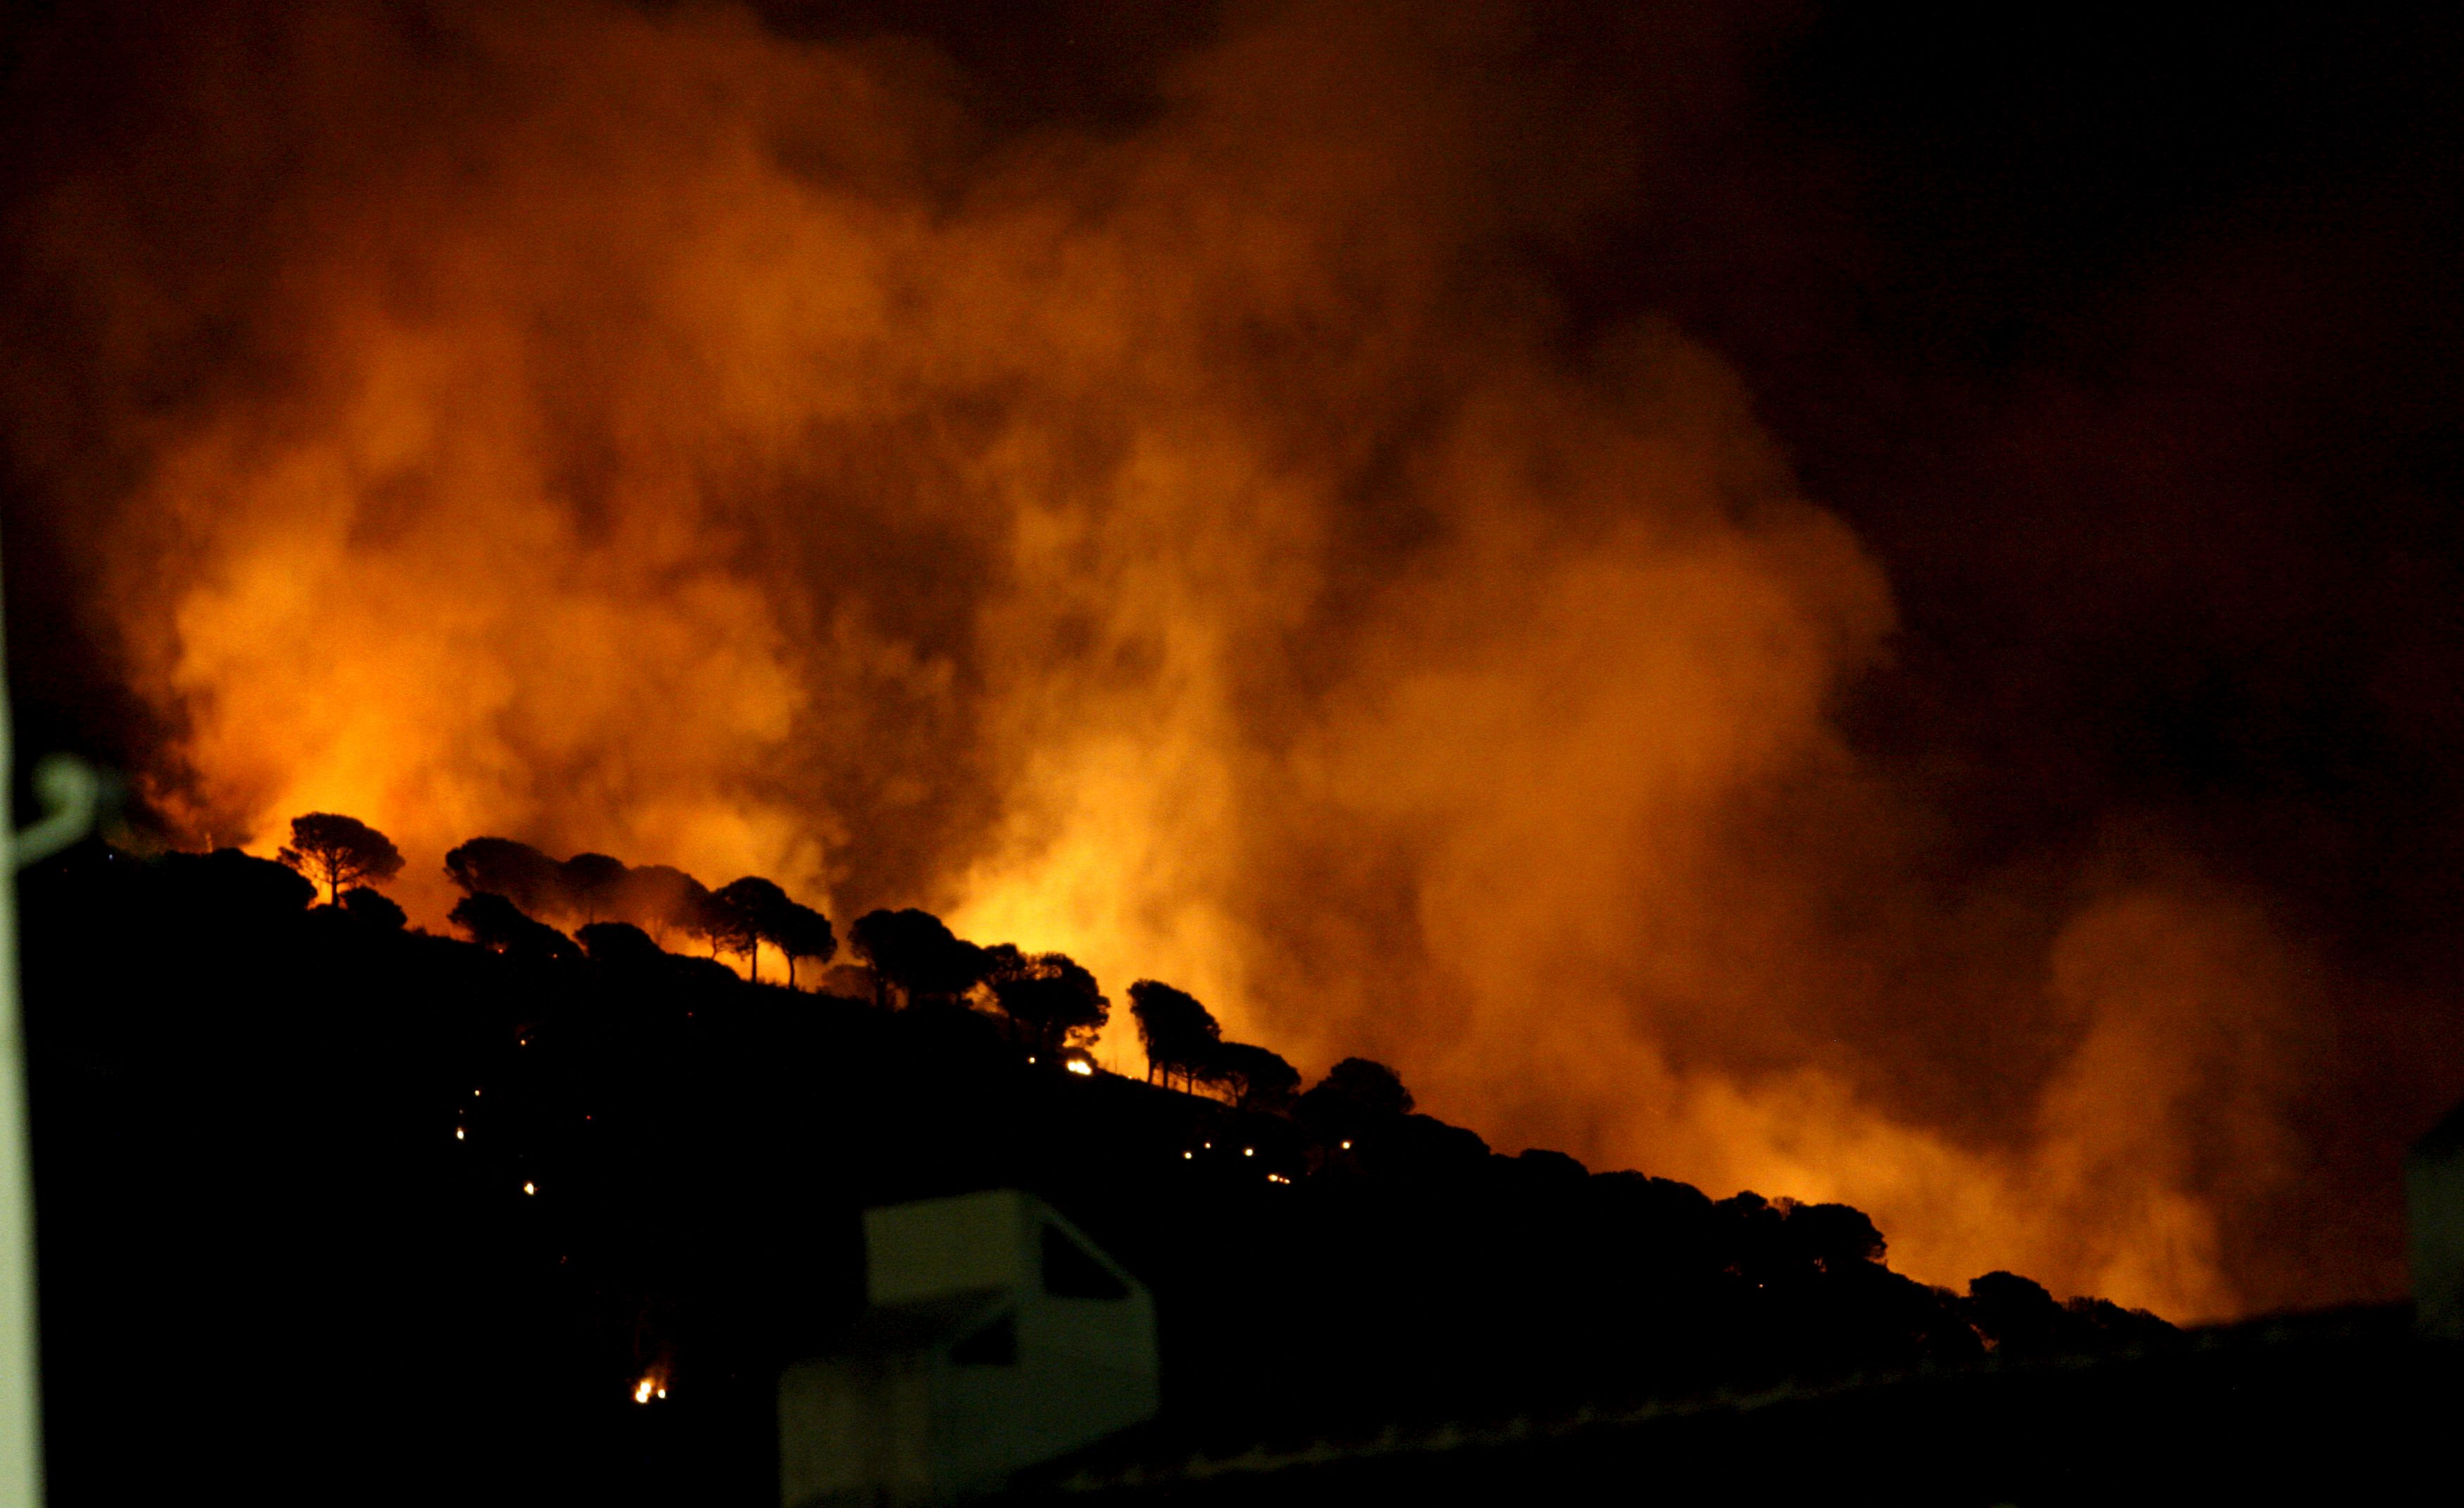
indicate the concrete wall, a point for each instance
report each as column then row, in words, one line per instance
column 2433, row 1198
column 855, row 1430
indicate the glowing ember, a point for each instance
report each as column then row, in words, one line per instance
column 530, row 1188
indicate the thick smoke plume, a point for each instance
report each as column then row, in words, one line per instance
column 1194, row 544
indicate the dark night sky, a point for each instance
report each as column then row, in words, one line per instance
column 2128, row 348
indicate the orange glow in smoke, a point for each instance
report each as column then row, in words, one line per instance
column 1165, row 546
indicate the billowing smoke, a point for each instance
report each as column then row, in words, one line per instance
column 1192, row 542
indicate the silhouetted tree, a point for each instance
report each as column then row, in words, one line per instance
column 798, row 931
column 337, row 850
column 778, row 921
column 1051, row 997
column 1177, row 1031
column 592, row 884
column 660, row 898
column 914, row 952
column 1255, row 1077
column 498, row 925
column 726, row 926
column 516, row 871
column 2103, row 1319
column 375, row 908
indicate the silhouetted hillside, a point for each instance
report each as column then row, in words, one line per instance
column 318, row 1191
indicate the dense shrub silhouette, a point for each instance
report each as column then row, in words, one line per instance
column 225, row 887
column 620, row 945
column 498, row 925
column 374, row 908
column 1356, row 1098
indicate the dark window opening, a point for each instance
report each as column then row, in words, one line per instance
column 1070, row 1272
column 996, row 1345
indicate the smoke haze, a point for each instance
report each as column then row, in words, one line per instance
column 1194, row 534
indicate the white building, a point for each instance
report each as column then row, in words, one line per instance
column 996, row 1336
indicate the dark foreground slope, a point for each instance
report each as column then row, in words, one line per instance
column 2333, row 1408
column 332, row 1208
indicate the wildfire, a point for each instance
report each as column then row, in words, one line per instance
column 652, row 1385
column 1173, row 545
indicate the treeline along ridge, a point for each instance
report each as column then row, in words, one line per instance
column 342, row 1190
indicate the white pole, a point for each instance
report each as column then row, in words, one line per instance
column 21, row 1436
